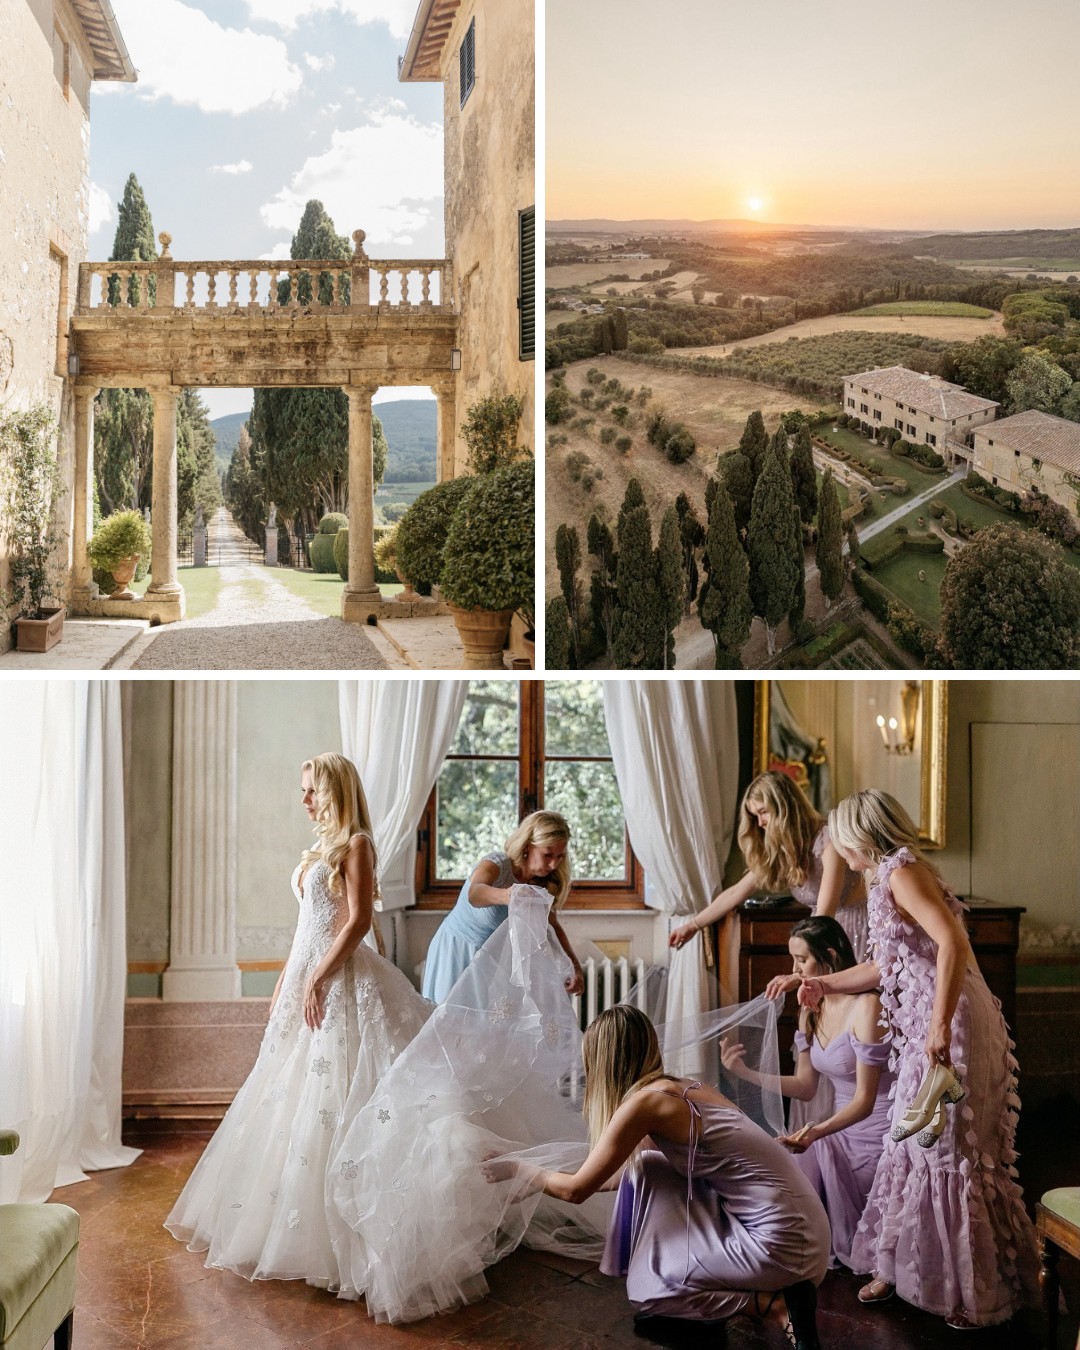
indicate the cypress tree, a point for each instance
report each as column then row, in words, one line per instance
column 133, row 242
column 557, row 634
column 692, row 535
column 851, row 538
column 803, row 478
column 568, row 561
column 725, row 610
column 601, row 546
column 754, row 442
column 670, row 585
column 738, row 477
column 775, row 542
column 830, row 541
column 636, row 599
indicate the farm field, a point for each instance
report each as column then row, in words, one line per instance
column 950, row 309
column 566, row 275
column 1058, row 269
column 927, row 325
column 400, row 492
column 714, row 410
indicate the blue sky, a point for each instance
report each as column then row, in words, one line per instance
column 245, row 109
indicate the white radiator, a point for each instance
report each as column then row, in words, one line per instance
column 609, row 982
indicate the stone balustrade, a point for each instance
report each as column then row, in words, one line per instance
column 167, row 285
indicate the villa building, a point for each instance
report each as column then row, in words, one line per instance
column 923, row 408
column 1032, row 450
column 52, row 52
column 482, row 52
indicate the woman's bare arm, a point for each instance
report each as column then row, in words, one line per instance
column 721, row 904
column 834, row 876
column 482, row 889
column 919, row 896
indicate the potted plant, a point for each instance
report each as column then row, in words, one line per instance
column 488, row 561
column 386, row 560
column 29, row 482
column 422, row 530
column 118, row 544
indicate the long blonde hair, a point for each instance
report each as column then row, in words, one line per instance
column 874, row 824
column 781, row 854
column 341, row 811
column 621, row 1053
column 542, row 828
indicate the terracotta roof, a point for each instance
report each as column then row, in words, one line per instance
column 1054, row 440
column 928, row 393
column 110, row 53
column 423, row 53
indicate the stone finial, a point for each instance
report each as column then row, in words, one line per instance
column 358, row 239
column 165, row 240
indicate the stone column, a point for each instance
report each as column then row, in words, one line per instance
column 163, row 574
column 446, row 435
column 361, row 596
column 82, row 581
column 202, row 918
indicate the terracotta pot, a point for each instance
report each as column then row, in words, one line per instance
column 38, row 635
column 122, row 574
column 483, row 634
column 409, row 593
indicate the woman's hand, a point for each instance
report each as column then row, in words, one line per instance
column 811, row 992
column 525, row 1178
column 575, row 983
column 938, row 1040
column 679, row 937
column 314, row 999
column 732, row 1056
column 780, row 985
column 800, row 1141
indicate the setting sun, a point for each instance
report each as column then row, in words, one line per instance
column 755, row 203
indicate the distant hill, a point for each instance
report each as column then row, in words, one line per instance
column 1002, row 244
column 683, row 227
column 409, row 425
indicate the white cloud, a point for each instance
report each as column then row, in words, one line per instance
column 282, row 249
column 384, row 177
column 241, row 166
column 398, row 15
column 102, row 210
column 318, row 62
column 183, row 55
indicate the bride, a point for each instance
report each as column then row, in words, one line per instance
column 340, row 1016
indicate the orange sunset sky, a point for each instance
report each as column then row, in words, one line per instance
column 935, row 114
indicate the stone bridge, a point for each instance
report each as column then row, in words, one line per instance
column 355, row 324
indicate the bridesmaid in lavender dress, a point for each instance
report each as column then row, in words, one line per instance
column 945, row 1222
column 786, row 846
column 841, row 1040
column 713, row 1218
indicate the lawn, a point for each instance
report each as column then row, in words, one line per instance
column 901, row 576
column 202, row 585
column 948, row 309
column 889, row 466
column 322, row 590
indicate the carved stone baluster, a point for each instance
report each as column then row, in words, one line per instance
column 125, row 287
column 253, row 288
column 384, row 287
column 404, row 287
column 189, row 291
column 211, row 290
column 425, row 287
column 234, row 272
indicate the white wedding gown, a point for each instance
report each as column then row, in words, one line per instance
column 256, row 1202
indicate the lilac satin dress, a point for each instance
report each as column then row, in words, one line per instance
column 851, row 916
column 841, row 1166
column 946, row 1224
column 698, row 1228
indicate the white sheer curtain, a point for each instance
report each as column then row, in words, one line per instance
column 63, row 968
column 675, row 748
column 397, row 733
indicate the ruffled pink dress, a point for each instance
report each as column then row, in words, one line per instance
column 946, row 1224
column 851, row 916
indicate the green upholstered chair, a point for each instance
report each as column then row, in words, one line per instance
column 37, row 1275
column 1057, row 1219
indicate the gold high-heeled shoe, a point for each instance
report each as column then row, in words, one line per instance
column 939, row 1084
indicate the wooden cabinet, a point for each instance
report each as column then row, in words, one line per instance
column 753, row 942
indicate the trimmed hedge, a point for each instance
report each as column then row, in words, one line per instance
column 422, row 530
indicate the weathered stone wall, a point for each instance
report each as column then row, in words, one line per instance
column 44, row 193
column 489, row 158
column 1016, row 473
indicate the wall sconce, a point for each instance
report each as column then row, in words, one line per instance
column 73, row 363
column 898, row 737
column 455, row 358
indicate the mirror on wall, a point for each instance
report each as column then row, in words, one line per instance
column 835, row 737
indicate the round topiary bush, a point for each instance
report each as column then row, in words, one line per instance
column 488, row 558
column 322, row 545
column 423, row 528
column 341, row 553
column 332, row 522
column 120, row 536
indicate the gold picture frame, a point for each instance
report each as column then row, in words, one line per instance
column 933, row 750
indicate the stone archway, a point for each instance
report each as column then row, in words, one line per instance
column 351, row 339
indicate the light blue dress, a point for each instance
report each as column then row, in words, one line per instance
column 464, row 931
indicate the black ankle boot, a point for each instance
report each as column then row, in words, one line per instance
column 801, row 1300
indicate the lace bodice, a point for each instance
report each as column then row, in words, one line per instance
column 322, row 913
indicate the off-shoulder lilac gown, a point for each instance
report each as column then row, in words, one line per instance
column 946, row 1224
column 851, row 916
column 841, row 1166
column 698, row 1228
